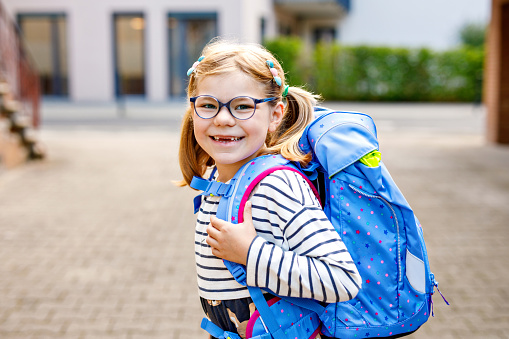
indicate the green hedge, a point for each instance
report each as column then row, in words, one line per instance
column 289, row 53
column 362, row 73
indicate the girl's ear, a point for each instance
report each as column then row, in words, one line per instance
column 276, row 117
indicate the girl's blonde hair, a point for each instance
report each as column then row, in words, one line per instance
column 222, row 57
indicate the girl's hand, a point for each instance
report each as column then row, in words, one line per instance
column 229, row 241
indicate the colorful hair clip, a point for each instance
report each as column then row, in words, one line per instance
column 277, row 79
column 285, row 92
column 191, row 70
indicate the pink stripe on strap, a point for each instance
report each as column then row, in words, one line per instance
column 255, row 316
column 259, row 178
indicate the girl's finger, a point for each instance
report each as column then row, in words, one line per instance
column 216, row 222
column 211, row 242
column 212, row 231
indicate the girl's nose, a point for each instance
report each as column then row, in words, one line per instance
column 224, row 117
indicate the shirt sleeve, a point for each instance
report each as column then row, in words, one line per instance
column 297, row 252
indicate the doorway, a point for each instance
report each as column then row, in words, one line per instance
column 45, row 36
column 129, row 54
column 188, row 33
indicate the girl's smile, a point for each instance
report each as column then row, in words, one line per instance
column 229, row 141
column 226, row 139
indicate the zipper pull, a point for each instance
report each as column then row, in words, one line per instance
column 434, row 285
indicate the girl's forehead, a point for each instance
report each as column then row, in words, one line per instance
column 229, row 85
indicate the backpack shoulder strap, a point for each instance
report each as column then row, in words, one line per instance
column 289, row 166
column 236, row 193
column 249, row 177
column 231, row 208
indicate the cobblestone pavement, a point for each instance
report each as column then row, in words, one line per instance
column 96, row 241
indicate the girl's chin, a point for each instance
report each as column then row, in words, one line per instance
column 234, row 161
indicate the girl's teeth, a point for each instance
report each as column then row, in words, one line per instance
column 232, row 139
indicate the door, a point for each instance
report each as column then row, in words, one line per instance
column 129, row 54
column 188, row 33
column 45, row 36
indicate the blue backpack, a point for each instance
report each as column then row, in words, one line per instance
column 374, row 220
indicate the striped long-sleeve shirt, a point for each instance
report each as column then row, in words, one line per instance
column 296, row 253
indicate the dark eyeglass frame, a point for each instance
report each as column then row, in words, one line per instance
column 227, row 105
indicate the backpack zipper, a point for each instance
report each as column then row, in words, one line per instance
column 355, row 189
column 236, row 187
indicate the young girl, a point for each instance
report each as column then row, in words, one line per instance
column 236, row 113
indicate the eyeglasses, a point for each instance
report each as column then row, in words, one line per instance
column 241, row 108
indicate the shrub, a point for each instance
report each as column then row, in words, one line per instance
column 288, row 51
column 456, row 75
column 473, row 34
column 361, row 73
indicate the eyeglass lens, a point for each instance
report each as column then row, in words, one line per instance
column 241, row 107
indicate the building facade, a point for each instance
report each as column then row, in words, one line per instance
column 100, row 51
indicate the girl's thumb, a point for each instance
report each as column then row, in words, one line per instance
column 247, row 210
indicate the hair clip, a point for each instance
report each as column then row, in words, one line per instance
column 277, row 79
column 285, row 92
column 191, row 70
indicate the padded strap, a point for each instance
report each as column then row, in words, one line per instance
column 216, row 331
column 263, row 336
column 311, row 170
column 308, row 304
column 210, row 327
column 237, row 270
column 266, row 314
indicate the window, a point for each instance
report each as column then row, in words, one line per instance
column 45, row 36
column 188, row 33
column 324, row 35
column 129, row 54
column 263, row 29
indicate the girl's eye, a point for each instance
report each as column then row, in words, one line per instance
column 243, row 107
column 206, row 103
column 209, row 106
column 242, row 104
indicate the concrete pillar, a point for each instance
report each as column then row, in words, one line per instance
column 156, row 54
column 496, row 85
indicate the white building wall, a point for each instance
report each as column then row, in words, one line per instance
column 90, row 43
column 411, row 23
column 91, row 46
column 252, row 14
column 156, row 53
column 430, row 23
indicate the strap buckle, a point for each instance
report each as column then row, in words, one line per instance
column 239, row 274
column 213, row 187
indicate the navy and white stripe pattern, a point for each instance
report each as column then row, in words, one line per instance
column 297, row 251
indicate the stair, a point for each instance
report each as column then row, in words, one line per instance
column 18, row 141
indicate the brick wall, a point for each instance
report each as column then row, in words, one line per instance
column 496, row 90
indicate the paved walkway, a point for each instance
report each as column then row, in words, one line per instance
column 96, row 241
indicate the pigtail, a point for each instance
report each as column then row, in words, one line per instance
column 193, row 160
column 298, row 113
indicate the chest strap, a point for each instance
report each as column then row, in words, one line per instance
column 212, row 188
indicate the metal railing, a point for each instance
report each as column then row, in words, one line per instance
column 17, row 70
